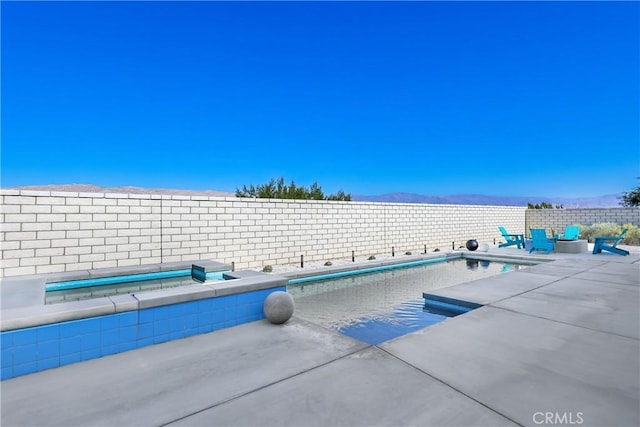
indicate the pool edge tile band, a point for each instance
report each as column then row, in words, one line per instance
column 364, row 270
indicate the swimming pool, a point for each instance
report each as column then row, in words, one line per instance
column 379, row 306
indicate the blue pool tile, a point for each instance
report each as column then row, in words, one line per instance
column 25, row 354
column 250, row 318
column 190, row 308
column 43, row 364
column 262, row 295
column 205, row 318
column 218, row 316
column 243, row 299
column 24, row 369
column 7, row 357
column 109, row 338
column 90, row 354
column 6, row 339
column 6, row 373
column 108, row 350
column 160, row 313
column 144, row 342
column 145, row 316
column 108, row 322
column 228, row 301
column 145, row 331
column 217, row 303
column 258, row 296
column 176, row 324
column 48, row 349
column 176, row 335
column 190, row 332
column 205, row 305
column 127, row 334
column 242, row 311
column 48, row 332
column 68, row 359
column 160, row 338
column 246, row 310
column 230, row 323
column 256, row 307
column 126, row 346
column 177, row 310
column 161, row 327
column 70, row 329
column 230, row 313
column 90, row 341
column 191, row 321
column 205, row 329
column 90, row 325
column 70, row 345
column 128, row 319
column 25, row 337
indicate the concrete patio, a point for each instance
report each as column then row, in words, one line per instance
column 556, row 343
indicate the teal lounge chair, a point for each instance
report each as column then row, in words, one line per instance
column 511, row 239
column 571, row 232
column 540, row 241
column 602, row 245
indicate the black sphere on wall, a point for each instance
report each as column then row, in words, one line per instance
column 472, row 244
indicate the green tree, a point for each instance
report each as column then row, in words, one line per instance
column 631, row 199
column 543, row 205
column 279, row 190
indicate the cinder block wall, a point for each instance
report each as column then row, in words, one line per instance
column 46, row 232
column 558, row 219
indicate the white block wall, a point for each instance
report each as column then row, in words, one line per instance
column 46, row 232
column 558, row 219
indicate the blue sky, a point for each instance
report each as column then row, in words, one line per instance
column 496, row 98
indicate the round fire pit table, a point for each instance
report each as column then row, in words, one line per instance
column 571, row 246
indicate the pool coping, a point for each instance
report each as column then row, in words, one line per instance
column 481, row 256
column 23, row 299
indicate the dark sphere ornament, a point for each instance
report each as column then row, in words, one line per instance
column 472, row 244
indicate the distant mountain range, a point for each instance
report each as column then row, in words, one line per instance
column 606, row 201
column 90, row 188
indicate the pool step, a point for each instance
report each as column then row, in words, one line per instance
column 445, row 306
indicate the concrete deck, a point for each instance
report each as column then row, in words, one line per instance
column 557, row 340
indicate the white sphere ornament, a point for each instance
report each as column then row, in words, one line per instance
column 278, row 307
column 484, row 247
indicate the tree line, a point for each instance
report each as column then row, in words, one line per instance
column 277, row 189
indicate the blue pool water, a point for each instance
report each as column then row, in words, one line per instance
column 380, row 306
column 409, row 316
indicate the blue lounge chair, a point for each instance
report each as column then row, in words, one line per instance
column 602, row 245
column 540, row 241
column 511, row 239
column 571, row 232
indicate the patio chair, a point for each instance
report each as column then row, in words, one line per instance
column 571, row 232
column 511, row 239
column 602, row 245
column 540, row 241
